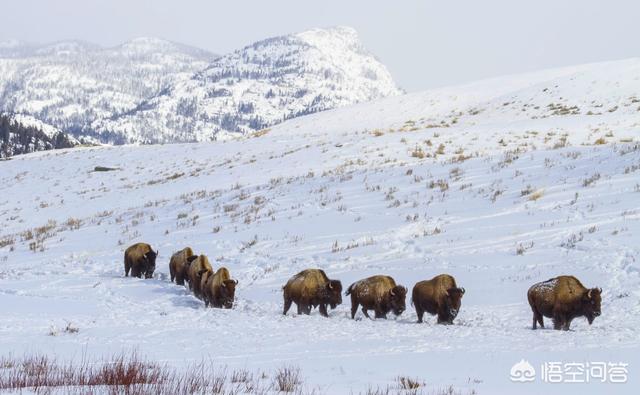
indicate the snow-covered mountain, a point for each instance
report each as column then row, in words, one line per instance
column 149, row 90
column 258, row 86
column 70, row 84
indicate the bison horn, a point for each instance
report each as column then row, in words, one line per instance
column 589, row 294
column 330, row 285
column 446, row 292
column 236, row 282
column 463, row 291
column 599, row 290
column 392, row 293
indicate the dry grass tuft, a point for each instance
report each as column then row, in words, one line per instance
column 287, row 379
column 418, row 152
column 600, row 141
column 536, row 195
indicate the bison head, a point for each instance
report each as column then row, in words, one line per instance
column 334, row 293
column 228, row 292
column 453, row 300
column 397, row 297
column 591, row 300
column 191, row 259
column 150, row 263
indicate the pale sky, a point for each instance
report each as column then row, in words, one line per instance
column 424, row 44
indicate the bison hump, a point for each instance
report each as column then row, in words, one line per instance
column 545, row 286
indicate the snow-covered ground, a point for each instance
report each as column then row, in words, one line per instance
column 505, row 196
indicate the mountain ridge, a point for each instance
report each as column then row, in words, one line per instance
column 108, row 94
column 260, row 85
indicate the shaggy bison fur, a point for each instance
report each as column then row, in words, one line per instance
column 438, row 296
column 377, row 293
column 312, row 288
column 197, row 268
column 140, row 259
column 219, row 289
column 179, row 264
column 563, row 298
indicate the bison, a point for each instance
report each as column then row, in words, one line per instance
column 140, row 259
column 440, row 296
column 218, row 289
column 312, row 288
column 197, row 268
column 563, row 298
column 179, row 265
column 377, row 293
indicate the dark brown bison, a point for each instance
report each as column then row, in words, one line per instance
column 219, row 289
column 312, row 288
column 563, row 298
column 440, row 296
column 197, row 268
column 377, row 293
column 179, row 264
column 140, row 259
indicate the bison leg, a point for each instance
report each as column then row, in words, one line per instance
column 172, row 273
column 323, row 310
column 287, row 305
column 420, row 313
column 354, row 309
column 558, row 321
column 127, row 267
column 566, row 325
column 441, row 319
column 354, row 306
column 537, row 319
column 380, row 314
column 179, row 279
column 365, row 312
column 306, row 309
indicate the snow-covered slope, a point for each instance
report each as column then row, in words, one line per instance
column 21, row 134
column 258, row 86
column 29, row 121
column 70, row 84
column 448, row 181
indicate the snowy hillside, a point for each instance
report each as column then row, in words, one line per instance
column 22, row 134
column 71, row 84
column 258, row 86
column 500, row 183
column 149, row 90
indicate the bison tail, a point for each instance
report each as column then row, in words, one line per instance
column 348, row 292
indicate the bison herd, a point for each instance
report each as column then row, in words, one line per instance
column 215, row 289
column 561, row 298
